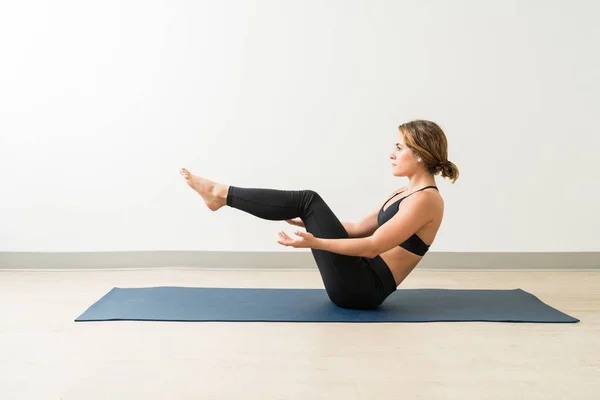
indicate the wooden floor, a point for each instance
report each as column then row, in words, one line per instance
column 45, row 355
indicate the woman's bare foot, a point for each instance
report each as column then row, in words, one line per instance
column 214, row 194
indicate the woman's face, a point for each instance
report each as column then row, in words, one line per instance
column 403, row 159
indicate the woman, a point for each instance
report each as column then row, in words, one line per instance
column 361, row 263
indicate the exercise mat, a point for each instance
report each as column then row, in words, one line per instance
column 172, row 303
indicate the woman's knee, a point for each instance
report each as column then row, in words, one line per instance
column 311, row 194
column 310, row 197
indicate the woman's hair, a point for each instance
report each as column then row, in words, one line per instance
column 427, row 140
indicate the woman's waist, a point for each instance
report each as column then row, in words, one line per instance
column 400, row 262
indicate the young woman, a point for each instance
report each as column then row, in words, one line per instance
column 360, row 263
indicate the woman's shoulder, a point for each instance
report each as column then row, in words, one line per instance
column 427, row 197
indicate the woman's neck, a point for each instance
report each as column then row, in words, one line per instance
column 420, row 180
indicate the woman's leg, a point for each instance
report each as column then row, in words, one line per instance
column 349, row 281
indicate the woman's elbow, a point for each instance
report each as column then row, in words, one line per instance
column 371, row 250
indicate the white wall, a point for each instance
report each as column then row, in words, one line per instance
column 102, row 102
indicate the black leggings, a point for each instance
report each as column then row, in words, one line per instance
column 350, row 281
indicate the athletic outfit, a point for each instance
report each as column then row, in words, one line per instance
column 350, row 281
column 414, row 244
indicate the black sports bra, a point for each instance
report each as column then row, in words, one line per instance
column 414, row 244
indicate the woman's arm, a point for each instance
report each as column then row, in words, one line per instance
column 363, row 228
column 361, row 247
column 350, row 228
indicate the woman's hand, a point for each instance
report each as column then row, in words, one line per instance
column 306, row 240
column 295, row 221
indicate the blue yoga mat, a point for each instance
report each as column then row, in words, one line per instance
column 168, row 303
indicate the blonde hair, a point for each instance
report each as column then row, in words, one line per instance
column 427, row 140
